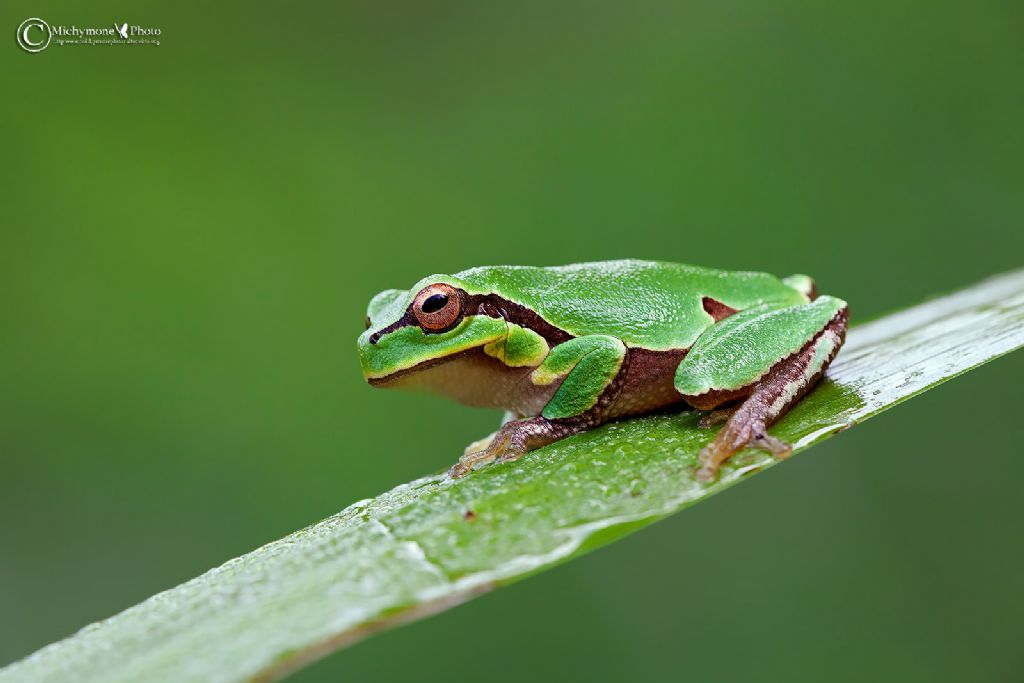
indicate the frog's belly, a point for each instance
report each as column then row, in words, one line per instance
column 649, row 382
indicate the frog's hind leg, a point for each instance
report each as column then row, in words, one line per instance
column 768, row 399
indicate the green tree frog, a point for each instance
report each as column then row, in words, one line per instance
column 564, row 349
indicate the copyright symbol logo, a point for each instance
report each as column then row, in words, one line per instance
column 34, row 35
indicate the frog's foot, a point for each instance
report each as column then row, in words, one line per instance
column 479, row 444
column 777, row 447
column 516, row 439
column 771, row 397
column 471, row 459
column 716, row 417
column 506, row 440
column 721, row 449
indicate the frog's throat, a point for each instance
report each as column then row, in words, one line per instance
column 474, row 378
column 424, row 365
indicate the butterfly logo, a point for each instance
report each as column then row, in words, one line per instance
column 122, row 30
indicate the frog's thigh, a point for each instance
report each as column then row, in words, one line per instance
column 731, row 356
column 588, row 365
column 777, row 385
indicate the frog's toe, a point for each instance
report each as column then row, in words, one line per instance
column 481, row 452
column 480, row 444
column 777, row 447
column 511, row 452
column 459, row 469
column 712, row 456
column 716, row 417
column 469, row 460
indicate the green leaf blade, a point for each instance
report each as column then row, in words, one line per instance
column 433, row 543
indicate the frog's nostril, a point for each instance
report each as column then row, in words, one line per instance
column 374, row 337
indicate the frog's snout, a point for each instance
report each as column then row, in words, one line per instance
column 366, row 349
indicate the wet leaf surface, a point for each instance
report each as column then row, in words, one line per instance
column 433, row 543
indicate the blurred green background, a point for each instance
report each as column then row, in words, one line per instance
column 191, row 234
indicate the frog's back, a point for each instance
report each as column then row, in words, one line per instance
column 648, row 304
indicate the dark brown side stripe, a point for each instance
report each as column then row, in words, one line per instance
column 490, row 305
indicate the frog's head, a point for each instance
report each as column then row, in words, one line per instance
column 410, row 330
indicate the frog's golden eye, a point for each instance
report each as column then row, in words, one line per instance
column 368, row 323
column 437, row 307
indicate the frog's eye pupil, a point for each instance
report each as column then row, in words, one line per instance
column 435, row 303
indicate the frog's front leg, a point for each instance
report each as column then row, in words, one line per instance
column 482, row 444
column 515, row 439
column 767, row 356
column 590, row 369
